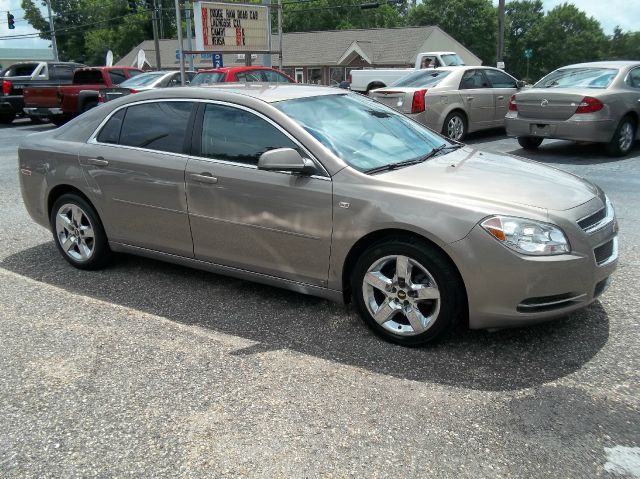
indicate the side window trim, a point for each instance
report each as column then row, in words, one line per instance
column 195, row 123
column 632, row 72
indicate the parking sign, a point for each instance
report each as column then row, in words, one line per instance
column 217, row 60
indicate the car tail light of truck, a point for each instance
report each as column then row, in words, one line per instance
column 589, row 105
column 417, row 106
column 6, row 87
column 512, row 103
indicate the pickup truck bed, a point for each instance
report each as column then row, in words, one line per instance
column 62, row 103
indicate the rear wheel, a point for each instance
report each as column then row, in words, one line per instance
column 529, row 142
column 7, row 118
column 78, row 232
column 623, row 138
column 455, row 126
column 407, row 291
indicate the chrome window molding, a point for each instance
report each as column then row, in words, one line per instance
column 93, row 139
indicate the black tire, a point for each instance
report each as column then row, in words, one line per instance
column 446, row 311
column 618, row 146
column 99, row 245
column 373, row 86
column 36, row 120
column 59, row 120
column 456, row 121
column 7, row 118
column 529, row 142
column 89, row 105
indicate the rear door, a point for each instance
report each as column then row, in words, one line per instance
column 135, row 169
column 502, row 86
column 269, row 222
column 477, row 97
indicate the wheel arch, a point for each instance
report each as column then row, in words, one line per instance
column 378, row 236
column 62, row 189
column 375, row 84
column 454, row 108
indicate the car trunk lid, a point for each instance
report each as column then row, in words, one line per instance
column 399, row 98
column 549, row 104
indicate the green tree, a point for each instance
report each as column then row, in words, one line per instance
column 568, row 36
column 473, row 23
column 340, row 14
column 624, row 45
column 523, row 19
column 87, row 29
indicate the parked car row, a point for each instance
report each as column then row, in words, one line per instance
column 595, row 102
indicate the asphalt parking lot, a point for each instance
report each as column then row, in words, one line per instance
column 146, row 369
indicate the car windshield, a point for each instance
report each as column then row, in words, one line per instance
column 364, row 133
column 578, row 78
column 422, row 78
column 452, row 60
column 143, row 80
column 207, row 78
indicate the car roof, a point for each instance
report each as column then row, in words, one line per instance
column 604, row 64
column 266, row 92
column 233, row 69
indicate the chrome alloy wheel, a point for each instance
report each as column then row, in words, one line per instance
column 74, row 232
column 455, row 128
column 401, row 295
column 625, row 139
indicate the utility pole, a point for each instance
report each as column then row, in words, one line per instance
column 180, row 44
column 500, row 47
column 280, row 33
column 266, row 58
column 155, row 33
column 187, row 15
column 53, row 32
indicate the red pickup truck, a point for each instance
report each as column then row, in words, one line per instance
column 61, row 103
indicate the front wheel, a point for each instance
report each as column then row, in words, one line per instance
column 529, row 142
column 623, row 138
column 407, row 291
column 78, row 232
column 455, row 126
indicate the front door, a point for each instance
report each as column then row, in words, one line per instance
column 135, row 171
column 273, row 223
column 503, row 86
column 478, row 100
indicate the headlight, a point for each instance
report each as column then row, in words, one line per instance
column 527, row 236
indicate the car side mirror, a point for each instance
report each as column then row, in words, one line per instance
column 286, row 159
column 520, row 84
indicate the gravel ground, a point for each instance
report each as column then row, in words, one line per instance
column 147, row 369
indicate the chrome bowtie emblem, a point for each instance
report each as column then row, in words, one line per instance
column 544, row 102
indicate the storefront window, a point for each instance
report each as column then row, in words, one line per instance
column 314, row 76
column 299, row 75
column 336, row 75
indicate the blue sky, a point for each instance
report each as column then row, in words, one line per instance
column 610, row 13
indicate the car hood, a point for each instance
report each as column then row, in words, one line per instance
column 495, row 177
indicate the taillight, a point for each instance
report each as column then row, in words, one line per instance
column 589, row 105
column 133, row 90
column 417, row 105
column 512, row 103
column 6, row 87
column 101, row 97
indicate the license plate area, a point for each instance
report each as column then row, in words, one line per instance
column 541, row 129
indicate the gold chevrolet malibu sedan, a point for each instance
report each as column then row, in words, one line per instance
column 328, row 193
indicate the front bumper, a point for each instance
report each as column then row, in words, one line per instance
column 507, row 289
column 582, row 129
column 43, row 112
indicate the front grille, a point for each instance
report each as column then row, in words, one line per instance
column 604, row 252
column 593, row 219
column 540, row 304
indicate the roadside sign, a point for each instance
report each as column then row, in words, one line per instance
column 528, row 53
column 217, row 60
column 500, row 65
column 231, row 27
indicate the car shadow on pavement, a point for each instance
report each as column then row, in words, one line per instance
column 572, row 153
column 277, row 319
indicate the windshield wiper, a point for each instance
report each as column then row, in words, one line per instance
column 402, row 164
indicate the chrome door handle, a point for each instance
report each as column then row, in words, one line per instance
column 469, row 98
column 95, row 161
column 203, row 178
column 500, row 97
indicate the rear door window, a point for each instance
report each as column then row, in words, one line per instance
column 117, row 76
column 88, row 77
column 21, row 70
column 633, row 80
column 249, row 76
column 473, row 79
column 275, row 77
column 110, row 132
column 61, row 72
column 157, row 126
